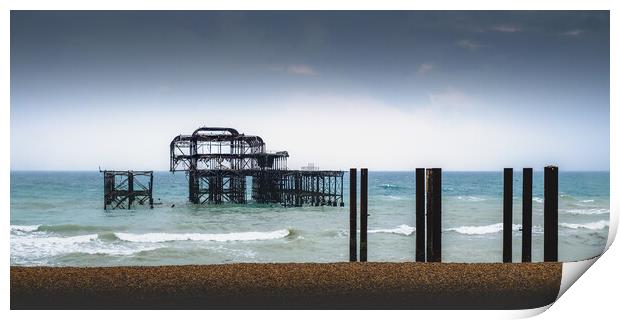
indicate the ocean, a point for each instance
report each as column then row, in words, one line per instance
column 57, row 219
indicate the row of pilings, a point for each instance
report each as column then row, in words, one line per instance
column 428, row 215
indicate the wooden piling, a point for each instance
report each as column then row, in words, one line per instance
column 526, row 244
column 551, row 214
column 130, row 189
column 433, row 215
column 151, row 191
column 353, row 215
column 364, row 215
column 419, row 215
column 507, row 230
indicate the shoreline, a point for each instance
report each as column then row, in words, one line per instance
column 368, row 285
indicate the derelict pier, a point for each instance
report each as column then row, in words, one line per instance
column 222, row 164
column 122, row 189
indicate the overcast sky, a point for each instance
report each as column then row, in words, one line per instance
column 386, row 90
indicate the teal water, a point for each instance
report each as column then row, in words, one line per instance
column 57, row 218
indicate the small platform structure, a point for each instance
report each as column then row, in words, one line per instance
column 222, row 164
column 127, row 189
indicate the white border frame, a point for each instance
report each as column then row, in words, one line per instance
column 571, row 270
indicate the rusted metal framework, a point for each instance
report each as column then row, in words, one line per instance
column 221, row 161
column 125, row 189
column 315, row 188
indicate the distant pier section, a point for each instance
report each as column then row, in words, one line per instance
column 126, row 189
column 222, row 164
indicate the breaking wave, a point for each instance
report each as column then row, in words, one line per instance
column 402, row 229
column 599, row 225
column 59, row 228
column 60, row 240
column 588, row 211
column 24, row 228
column 489, row 229
column 218, row 237
column 36, row 248
column 492, row 228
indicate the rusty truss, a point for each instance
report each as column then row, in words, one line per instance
column 222, row 163
column 124, row 189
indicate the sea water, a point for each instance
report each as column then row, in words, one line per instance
column 57, row 218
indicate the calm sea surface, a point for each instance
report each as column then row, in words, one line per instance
column 57, row 218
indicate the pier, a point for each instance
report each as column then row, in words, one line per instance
column 222, row 163
column 124, row 189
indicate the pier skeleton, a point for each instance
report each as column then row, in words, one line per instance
column 123, row 189
column 219, row 161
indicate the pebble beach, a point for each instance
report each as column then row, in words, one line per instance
column 289, row 286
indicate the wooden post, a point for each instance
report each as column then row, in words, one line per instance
column 526, row 244
column 419, row 215
column 433, row 215
column 507, row 230
column 364, row 215
column 151, row 190
column 353, row 215
column 551, row 214
column 130, row 196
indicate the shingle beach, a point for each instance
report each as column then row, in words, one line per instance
column 289, row 286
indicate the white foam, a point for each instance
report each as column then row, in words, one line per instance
column 599, row 225
column 587, row 200
column 537, row 200
column 24, row 228
column 402, row 229
column 470, row 198
column 492, row 228
column 219, row 237
column 62, row 240
column 34, row 248
column 488, row 229
column 588, row 211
